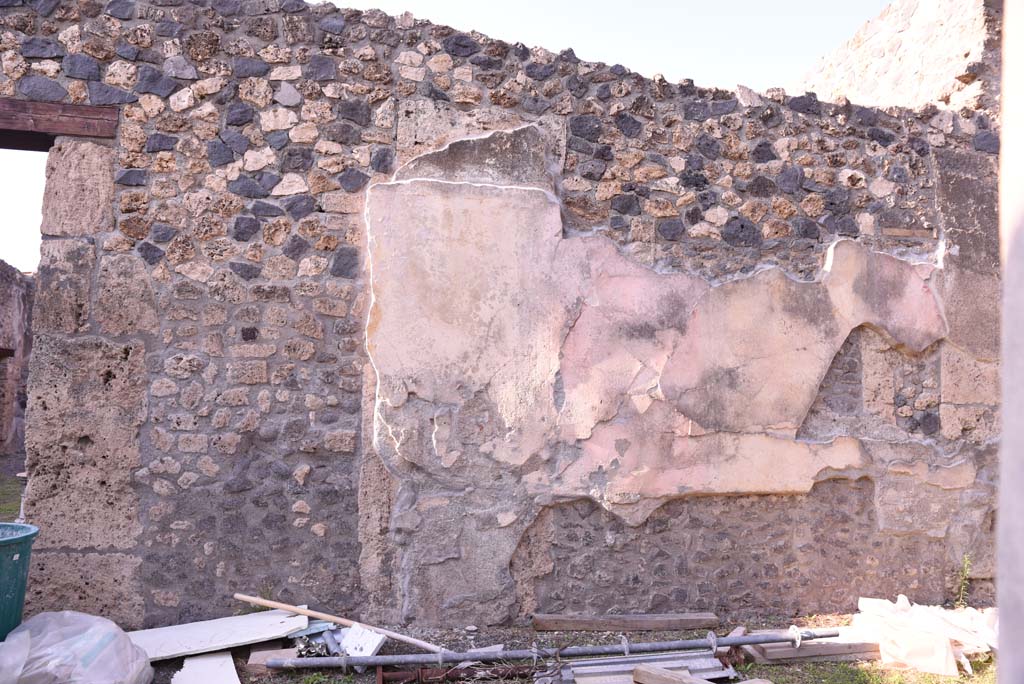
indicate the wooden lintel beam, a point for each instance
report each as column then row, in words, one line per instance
column 58, row 119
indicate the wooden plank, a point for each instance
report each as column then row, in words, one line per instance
column 92, row 128
column 817, row 648
column 849, row 645
column 58, row 119
column 846, row 658
column 752, row 652
column 14, row 106
column 651, row 674
column 627, row 677
column 723, row 651
column 162, row 643
column 257, row 664
column 664, row 622
column 209, row 668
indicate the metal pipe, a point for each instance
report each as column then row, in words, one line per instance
column 711, row 642
column 431, row 675
column 332, row 643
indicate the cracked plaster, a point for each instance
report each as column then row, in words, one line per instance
column 517, row 367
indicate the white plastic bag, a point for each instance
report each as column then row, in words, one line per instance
column 13, row 654
column 72, row 648
column 926, row 638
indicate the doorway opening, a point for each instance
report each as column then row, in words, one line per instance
column 29, row 132
column 22, row 180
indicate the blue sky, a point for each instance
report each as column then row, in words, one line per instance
column 756, row 43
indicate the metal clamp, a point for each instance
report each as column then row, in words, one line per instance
column 713, row 640
column 795, row 635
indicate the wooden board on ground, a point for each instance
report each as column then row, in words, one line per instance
column 817, row 648
column 847, row 646
column 664, row 622
column 847, row 658
column 209, row 668
column 652, row 674
column 257, row 663
column 162, row 643
column 754, row 654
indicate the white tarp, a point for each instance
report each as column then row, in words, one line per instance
column 929, row 639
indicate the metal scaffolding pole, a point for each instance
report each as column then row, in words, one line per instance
column 712, row 641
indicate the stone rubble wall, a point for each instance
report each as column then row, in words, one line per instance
column 15, row 347
column 916, row 53
column 204, row 417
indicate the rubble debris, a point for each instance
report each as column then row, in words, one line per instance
column 535, row 653
column 314, row 646
column 162, row 643
column 929, row 639
column 208, row 668
column 320, row 638
column 301, row 610
column 664, row 622
column 335, row 641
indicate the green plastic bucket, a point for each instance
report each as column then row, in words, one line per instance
column 15, row 550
